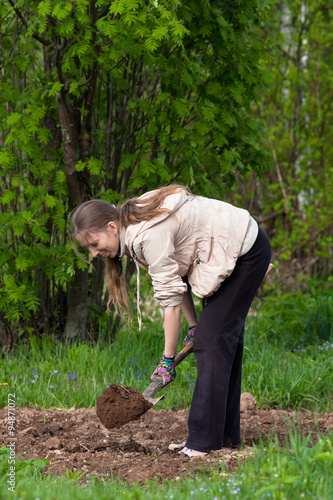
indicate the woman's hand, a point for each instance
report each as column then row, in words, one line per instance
column 166, row 369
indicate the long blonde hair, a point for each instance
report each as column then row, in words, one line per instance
column 94, row 216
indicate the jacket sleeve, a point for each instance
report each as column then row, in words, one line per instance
column 158, row 250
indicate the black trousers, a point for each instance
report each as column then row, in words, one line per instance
column 214, row 418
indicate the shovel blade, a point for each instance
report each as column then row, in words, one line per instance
column 153, row 401
column 155, row 386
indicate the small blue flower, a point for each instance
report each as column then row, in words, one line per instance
column 55, row 371
column 14, row 375
column 33, row 381
column 138, row 374
column 70, row 377
column 51, row 386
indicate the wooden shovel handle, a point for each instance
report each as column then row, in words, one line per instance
column 184, row 353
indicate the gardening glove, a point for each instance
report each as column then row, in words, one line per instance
column 166, row 369
column 190, row 335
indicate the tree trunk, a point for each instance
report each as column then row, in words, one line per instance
column 76, row 322
column 77, row 291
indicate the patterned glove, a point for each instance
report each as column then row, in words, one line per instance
column 166, row 369
column 190, row 334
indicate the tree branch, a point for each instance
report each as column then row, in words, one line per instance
column 24, row 22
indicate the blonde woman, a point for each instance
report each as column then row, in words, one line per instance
column 188, row 244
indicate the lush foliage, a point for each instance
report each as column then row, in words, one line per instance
column 295, row 200
column 108, row 99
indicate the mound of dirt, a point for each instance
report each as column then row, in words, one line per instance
column 119, row 405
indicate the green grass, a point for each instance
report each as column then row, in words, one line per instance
column 297, row 320
column 280, row 370
column 280, row 378
column 289, row 352
column 49, row 373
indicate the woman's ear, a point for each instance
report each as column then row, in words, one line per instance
column 112, row 226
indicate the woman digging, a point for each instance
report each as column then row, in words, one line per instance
column 188, row 244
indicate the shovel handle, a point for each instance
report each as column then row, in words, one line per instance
column 184, row 352
column 157, row 384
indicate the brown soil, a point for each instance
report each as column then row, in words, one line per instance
column 119, row 405
column 139, row 450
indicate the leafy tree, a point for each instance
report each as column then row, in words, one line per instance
column 109, row 99
column 295, row 200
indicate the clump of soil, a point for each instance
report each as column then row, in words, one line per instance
column 119, row 405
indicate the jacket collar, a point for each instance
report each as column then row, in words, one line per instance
column 123, row 250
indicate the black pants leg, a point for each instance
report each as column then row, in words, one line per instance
column 218, row 346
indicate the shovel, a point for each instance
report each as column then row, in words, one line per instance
column 119, row 405
column 158, row 383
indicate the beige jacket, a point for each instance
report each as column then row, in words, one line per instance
column 202, row 241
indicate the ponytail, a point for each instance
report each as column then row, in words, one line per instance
column 117, row 286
